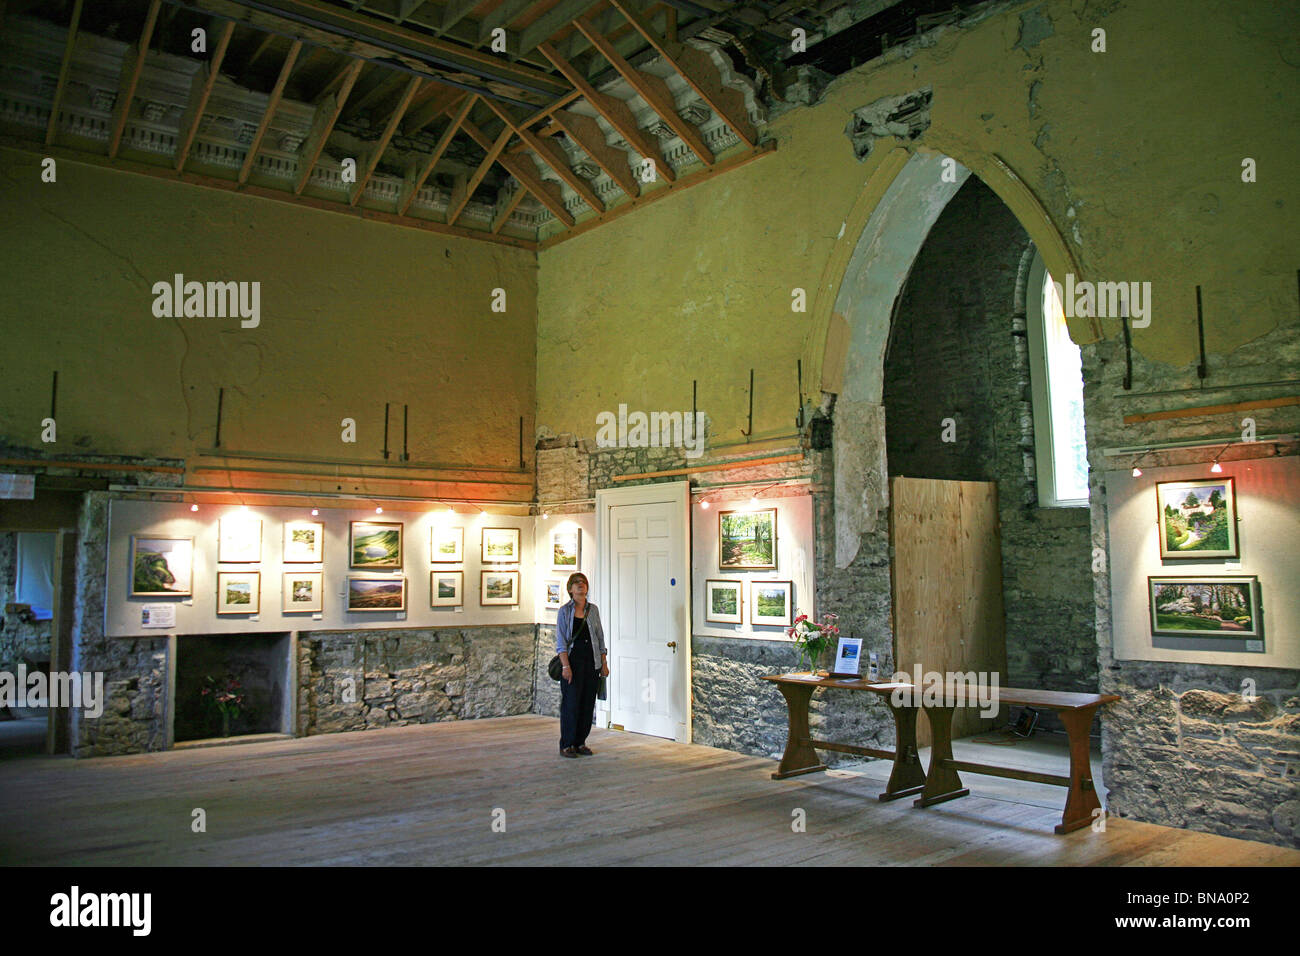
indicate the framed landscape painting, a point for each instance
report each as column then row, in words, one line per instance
column 1205, row 606
column 499, row 588
column 304, row 542
column 723, row 602
column 240, row 540
column 162, row 567
column 375, row 545
column 446, row 545
column 566, row 549
column 747, row 540
column 500, row 546
column 376, row 594
column 239, row 592
column 303, row 592
column 554, row 594
column 1198, row 519
column 771, row 602
column 446, row 588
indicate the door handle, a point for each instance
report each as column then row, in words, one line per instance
column 673, row 645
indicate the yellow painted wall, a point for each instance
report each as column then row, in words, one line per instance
column 1135, row 155
column 353, row 314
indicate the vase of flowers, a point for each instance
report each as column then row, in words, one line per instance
column 811, row 638
column 227, row 698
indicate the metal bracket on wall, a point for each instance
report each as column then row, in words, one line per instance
column 221, row 397
column 1201, row 370
column 405, row 417
column 386, row 404
column 54, row 397
column 751, row 406
column 1128, row 355
column 798, row 419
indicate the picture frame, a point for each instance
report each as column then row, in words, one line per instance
column 771, row 603
column 724, row 601
column 1197, row 518
column 498, row 588
column 500, row 546
column 446, row 545
column 555, row 596
column 161, row 566
column 375, row 545
column 1216, row 606
column 239, row 539
column 747, row 540
column 239, row 592
column 446, row 588
column 304, row 542
column 369, row 592
column 566, row 549
column 303, row 592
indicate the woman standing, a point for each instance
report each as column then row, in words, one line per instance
column 579, row 640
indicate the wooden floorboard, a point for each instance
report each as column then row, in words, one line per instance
column 425, row 795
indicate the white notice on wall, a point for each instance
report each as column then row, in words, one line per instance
column 158, row 615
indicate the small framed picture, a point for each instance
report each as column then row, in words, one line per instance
column 303, row 592
column 555, row 594
column 446, row 545
column 1219, row 607
column 499, row 588
column 240, row 540
column 239, row 592
column 161, row 567
column 771, row 602
column 747, row 540
column 500, row 546
column 1198, row 519
column 566, row 549
column 375, row 545
column 446, row 588
column 367, row 593
column 724, row 602
column 304, row 542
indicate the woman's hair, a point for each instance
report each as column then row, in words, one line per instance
column 576, row 576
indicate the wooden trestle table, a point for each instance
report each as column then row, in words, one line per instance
column 942, row 782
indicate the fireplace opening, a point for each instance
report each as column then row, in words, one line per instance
column 245, row 675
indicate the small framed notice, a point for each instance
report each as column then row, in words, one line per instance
column 158, row 615
column 848, row 658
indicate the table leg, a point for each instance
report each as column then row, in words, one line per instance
column 1082, row 800
column 941, row 783
column 800, row 757
column 907, row 777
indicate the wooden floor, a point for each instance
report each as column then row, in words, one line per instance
column 426, row 795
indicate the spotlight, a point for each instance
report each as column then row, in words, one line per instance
column 546, row 515
column 1137, row 472
column 194, row 507
column 379, row 511
column 315, row 512
column 1216, row 467
column 704, row 503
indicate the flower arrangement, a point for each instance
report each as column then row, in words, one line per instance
column 812, row 638
column 227, row 700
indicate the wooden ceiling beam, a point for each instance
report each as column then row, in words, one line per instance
column 615, row 112
column 200, row 90
column 426, row 111
column 699, row 71
column 500, row 16
column 414, row 185
column 458, row 204
column 550, row 153
column 328, row 112
column 324, row 24
column 272, row 105
column 548, row 194
column 505, row 212
column 653, row 90
column 590, row 138
column 412, row 85
column 132, row 65
column 52, row 128
column 554, row 19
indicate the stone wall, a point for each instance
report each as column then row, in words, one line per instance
column 363, row 680
column 1184, row 747
column 958, row 350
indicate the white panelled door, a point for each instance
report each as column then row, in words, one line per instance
column 646, row 609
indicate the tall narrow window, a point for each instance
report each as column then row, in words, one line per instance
column 1057, row 379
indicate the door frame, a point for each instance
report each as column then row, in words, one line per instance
column 671, row 492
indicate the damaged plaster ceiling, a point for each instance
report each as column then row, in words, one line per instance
column 493, row 119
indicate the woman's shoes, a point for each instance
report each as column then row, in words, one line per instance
column 586, row 751
column 569, row 752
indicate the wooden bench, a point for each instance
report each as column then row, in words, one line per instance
column 1076, row 711
column 800, row 755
